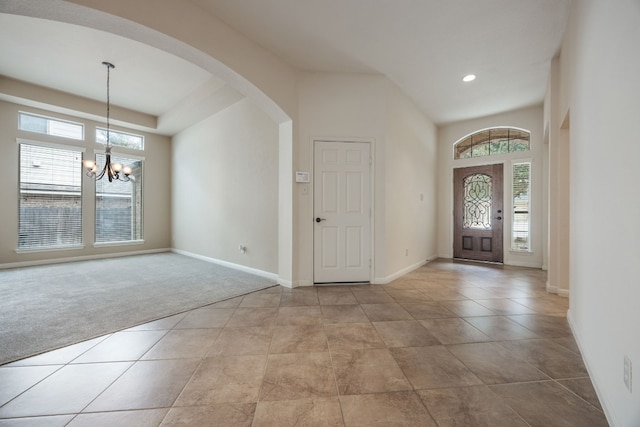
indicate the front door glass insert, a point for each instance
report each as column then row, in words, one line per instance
column 477, row 202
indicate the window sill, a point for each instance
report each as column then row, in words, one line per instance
column 56, row 249
column 119, row 243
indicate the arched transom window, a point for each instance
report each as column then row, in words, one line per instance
column 490, row 142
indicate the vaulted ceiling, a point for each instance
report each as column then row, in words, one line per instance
column 424, row 46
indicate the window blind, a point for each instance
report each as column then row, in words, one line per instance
column 50, row 205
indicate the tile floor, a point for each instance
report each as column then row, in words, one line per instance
column 450, row 344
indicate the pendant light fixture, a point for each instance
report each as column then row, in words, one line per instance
column 112, row 171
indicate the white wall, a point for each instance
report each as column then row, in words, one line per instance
column 225, row 188
column 411, row 186
column 599, row 68
column 368, row 107
column 530, row 119
column 156, row 187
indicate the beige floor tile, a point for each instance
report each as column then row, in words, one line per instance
column 206, row 317
column 427, row 310
column 549, row 404
column 343, row 314
column 320, row 412
column 408, row 295
column 242, row 341
column 261, row 299
column 405, row 333
column 568, row 343
column 146, row 385
column 228, row 303
column 385, row 410
column 549, row 357
column 224, row 414
column 307, row 315
column 501, row 328
column 299, row 297
column 139, row 418
column 384, row 312
column 544, row 326
column 335, row 296
column 583, row 388
column 371, row 295
column 227, row 379
column 61, row 356
column 467, row 308
column 17, row 379
column 122, row 347
column 453, row 331
column 244, row 317
column 66, row 391
column 443, row 294
column 183, row 343
column 493, row 364
column 550, row 304
column 352, row 336
column 51, row 421
column 368, row 371
column 298, row 339
column 298, row 376
column 474, row 406
column 433, row 367
column 504, row 306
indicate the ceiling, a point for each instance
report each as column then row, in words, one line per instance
column 424, row 46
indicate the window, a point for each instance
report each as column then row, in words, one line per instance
column 49, row 126
column 119, row 204
column 120, row 139
column 520, row 228
column 492, row 142
column 50, row 205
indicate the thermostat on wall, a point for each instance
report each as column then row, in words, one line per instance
column 302, row 176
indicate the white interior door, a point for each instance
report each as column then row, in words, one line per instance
column 342, row 212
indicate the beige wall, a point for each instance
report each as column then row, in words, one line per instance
column 156, row 182
column 364, row 107
column 530, row 119
column 598, row 68
column 225, row 188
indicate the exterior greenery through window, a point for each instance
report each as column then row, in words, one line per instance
column 520, row 228
column 492, row 142
column 120, row 139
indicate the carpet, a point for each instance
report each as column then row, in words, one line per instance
column 46, row 307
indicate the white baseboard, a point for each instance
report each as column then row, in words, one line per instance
column 563, row 292
column 400, row 273
column 551, row 289
column 594, row 378
column 250, row 270
column 523, row 264
column 79, row 258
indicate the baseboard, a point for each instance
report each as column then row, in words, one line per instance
column 400, row 273
column 250, row 270
column 552, row 289
column 563, row 292
column 79, row 258
column 523, row 264
column 592, row 374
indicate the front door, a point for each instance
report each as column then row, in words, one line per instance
column 478, row 213
column 342, row 212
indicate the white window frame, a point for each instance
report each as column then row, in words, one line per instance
column 49, row 120
column 515, row 162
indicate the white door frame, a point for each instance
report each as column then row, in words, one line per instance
column 372, row 199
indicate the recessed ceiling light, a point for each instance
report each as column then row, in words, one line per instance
column 469, row 78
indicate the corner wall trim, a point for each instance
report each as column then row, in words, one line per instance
column 594, row 378
column 250, row 270
column 400, row 273
column 79, row 258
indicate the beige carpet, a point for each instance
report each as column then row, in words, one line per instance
column 46, row 307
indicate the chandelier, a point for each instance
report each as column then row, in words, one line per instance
column 112, row 171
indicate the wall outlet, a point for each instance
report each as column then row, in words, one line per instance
column 628, row 373
column 242, row 249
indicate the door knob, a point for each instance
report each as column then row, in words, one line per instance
column 320, row 219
